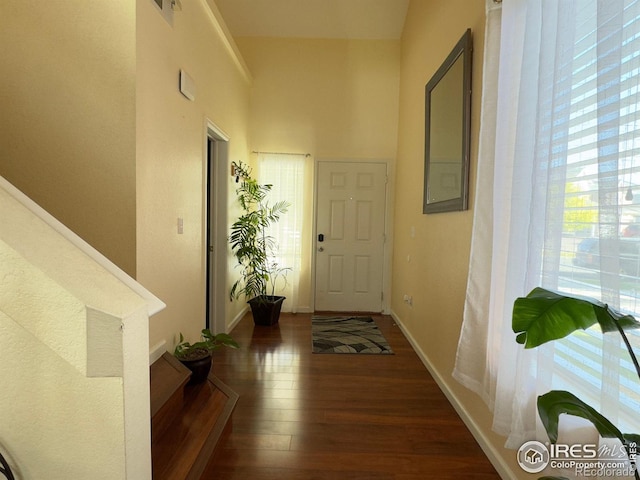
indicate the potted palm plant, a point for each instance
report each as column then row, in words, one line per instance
column 197, row 356
column 254, row 249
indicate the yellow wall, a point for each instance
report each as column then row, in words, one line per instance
column 67, row 129
column 171, row 156
column 330, row 98
column 432, row 264
column 431, row 252
column 94, row 129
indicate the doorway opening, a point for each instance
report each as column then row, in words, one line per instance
column 215, row 231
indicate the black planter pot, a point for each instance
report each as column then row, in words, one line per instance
column 266, row 309
column 199, row 366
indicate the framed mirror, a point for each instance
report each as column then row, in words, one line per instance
column 448, row 132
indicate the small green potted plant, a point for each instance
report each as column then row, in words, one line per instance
column 544, row 316
column 197, row 356
column 254, row 249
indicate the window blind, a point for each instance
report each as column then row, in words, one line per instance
column 593, row 120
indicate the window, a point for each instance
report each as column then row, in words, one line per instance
column 558, row 205
column 596, row 148
column 290, row 175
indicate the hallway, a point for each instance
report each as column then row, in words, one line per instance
column 302, row 416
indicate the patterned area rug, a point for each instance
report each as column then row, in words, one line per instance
column 347, row 335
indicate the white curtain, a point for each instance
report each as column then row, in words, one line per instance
column 475, row 368
column 558, row 163
column 290, row 176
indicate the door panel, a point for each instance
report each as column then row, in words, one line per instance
column 363, row 221
column 336, row 220
column 336, row 273
column 350, row 222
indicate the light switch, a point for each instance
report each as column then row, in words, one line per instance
column 180, row 226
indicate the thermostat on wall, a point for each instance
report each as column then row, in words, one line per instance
column 187, row 86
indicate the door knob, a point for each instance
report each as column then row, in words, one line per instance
column 321, row 249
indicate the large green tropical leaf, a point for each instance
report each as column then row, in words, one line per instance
column 553, row 404
column 543, row 316
column 630, row 438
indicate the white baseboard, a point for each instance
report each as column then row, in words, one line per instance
column 237, row 319
column 494, row 456
column 300, row 310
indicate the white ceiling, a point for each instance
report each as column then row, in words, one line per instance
column 353, row 19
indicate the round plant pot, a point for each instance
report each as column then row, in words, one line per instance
column 200, row 365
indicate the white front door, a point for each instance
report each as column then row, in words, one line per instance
column 351, row 198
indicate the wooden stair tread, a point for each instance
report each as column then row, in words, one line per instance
column 167, row 376
column 183, row 447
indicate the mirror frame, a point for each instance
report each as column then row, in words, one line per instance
column 462, row 49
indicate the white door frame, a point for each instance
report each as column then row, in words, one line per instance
column 388, row 224
column 216, row 217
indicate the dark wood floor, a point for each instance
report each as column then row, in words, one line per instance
column 304, row 416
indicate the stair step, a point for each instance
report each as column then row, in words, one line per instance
column 168, row 378
column 187, row 441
